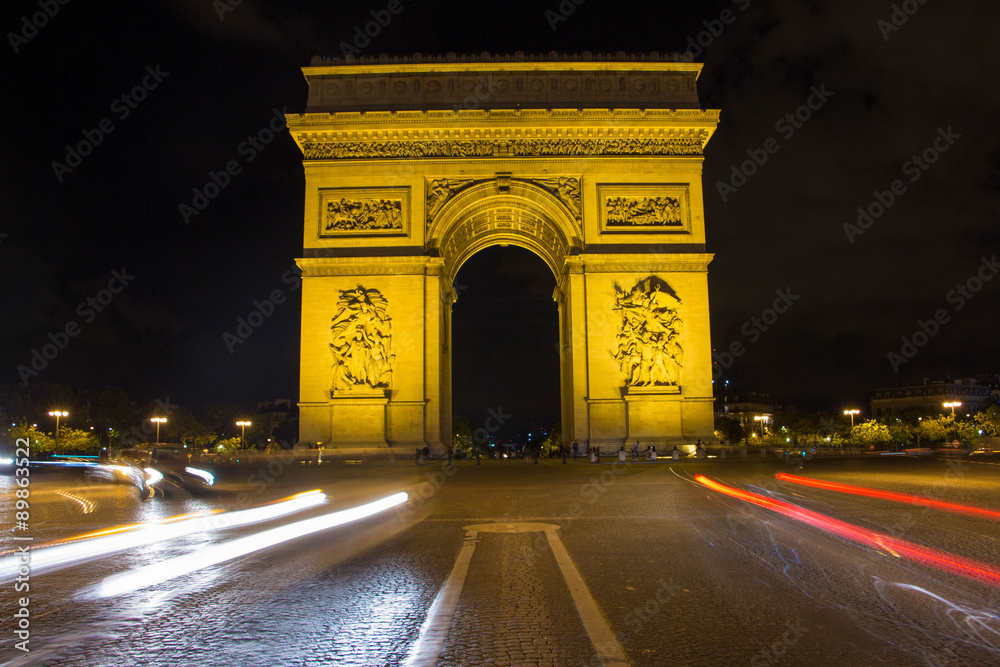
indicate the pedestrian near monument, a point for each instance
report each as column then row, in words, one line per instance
column 635, row 451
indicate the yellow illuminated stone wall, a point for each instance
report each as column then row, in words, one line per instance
column 398, row 197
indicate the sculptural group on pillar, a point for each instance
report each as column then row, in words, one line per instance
column 361, row 341
column 649, row 334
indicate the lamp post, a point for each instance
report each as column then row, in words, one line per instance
column 243, row 431
column 57, row 414
column 158, row 421
column 952, row 405
column 852, row 413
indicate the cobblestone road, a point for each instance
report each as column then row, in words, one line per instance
column 681, row 575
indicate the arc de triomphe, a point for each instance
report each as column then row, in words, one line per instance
column 413, row 165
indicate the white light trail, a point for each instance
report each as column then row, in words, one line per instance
column 205, row 475
column 104, row 543
column 156, row 573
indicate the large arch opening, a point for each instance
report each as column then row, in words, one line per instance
column 505, row 349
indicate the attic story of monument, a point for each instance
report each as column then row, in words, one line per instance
column 595, row 165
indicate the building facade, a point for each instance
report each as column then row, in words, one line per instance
column 930, row 398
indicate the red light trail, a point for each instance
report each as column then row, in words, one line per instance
column 890, row 495
column 941, row 560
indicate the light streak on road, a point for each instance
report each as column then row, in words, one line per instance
column 85, row 505
column 113, row 540
column 941, row 560
column 215, row 554
column 204, row 474
column 890, row 495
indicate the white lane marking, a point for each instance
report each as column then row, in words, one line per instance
column 596, row 625
column 434, row 631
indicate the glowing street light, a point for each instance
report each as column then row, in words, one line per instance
column 243, row 431
column 158, row 421
column 57, row 414
column 952, row 405
column 852, row 413
column 761, row 419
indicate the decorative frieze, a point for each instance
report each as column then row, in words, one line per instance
column 346, row 150
column 644, row 208
column 364, row 212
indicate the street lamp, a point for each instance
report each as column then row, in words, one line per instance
column 243, row 431
column 57, row 414
column 952, row 405
column 852, row 413
column 158, row 421
column 761, row 419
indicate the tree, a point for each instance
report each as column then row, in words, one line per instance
column 553, row 442
column 727, row 428
column 75, row 441
column 901, row 432
column 38, row 442
column 186, row 428
column 286, row 433
column 988, row 421
column 941, row 429
column 112, row 413
column 221, row 418
column 871, row 433
column 461, row 435
column 230, row 446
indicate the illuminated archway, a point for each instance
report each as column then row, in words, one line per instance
column 591, row 164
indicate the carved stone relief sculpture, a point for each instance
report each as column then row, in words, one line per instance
column 346, row 215
column 643, row 211
column 649, row 334
column 361, row 341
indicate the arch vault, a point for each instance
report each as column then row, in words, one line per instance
column 414, row 165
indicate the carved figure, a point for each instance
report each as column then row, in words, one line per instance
column 649, row 331
column 639, row 211
column 364, row 214
column 361, row 341
column 440, row 191
column 566, row 188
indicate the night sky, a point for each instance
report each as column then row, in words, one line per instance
column 887, row 94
